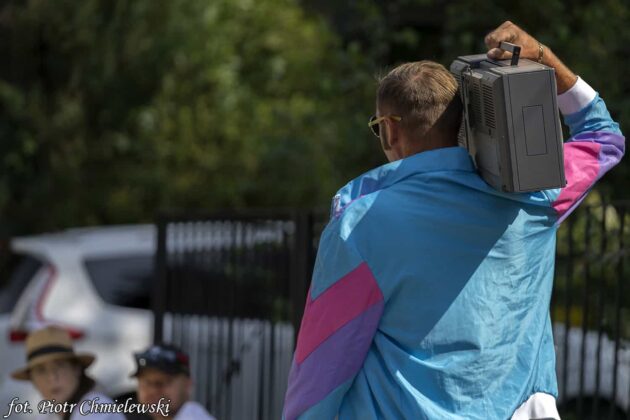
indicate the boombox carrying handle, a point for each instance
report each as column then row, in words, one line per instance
column 514, row 49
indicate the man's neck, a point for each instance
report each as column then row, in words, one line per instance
column 424, row 145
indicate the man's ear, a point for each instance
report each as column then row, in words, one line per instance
column 393, row 133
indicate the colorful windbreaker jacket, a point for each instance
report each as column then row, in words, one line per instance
column 430, row 293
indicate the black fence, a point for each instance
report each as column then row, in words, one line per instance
column 591, row 313
column 231, row 291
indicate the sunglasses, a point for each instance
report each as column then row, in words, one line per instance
column 375, row 121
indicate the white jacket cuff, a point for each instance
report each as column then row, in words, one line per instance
column 576, row 98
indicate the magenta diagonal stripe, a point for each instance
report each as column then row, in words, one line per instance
column 335, row 307
column 580, row 169
column 588, row 156
column 336, row 360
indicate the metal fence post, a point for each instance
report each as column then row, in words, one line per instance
column 301, row 266
column 159, row 291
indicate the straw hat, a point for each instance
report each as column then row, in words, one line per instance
column 50, row 343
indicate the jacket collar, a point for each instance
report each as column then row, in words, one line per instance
column 436, row 160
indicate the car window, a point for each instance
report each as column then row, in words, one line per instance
column 11, row 290
column 123, row 281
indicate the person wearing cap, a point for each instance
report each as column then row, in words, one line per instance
column 58, row 374
column 163, row 371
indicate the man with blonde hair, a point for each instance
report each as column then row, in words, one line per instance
column 427, row 93
column 430, row 294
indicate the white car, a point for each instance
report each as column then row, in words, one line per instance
column 95, row 282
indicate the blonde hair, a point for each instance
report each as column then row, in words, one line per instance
column 425, row 95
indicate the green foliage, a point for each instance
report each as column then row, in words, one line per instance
column 113, row 109
column 128, row 107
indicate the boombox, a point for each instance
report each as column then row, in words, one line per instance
column 511, row 125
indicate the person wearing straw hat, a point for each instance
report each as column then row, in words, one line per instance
column 58, row 374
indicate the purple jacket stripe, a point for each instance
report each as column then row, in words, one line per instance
column 327, row 367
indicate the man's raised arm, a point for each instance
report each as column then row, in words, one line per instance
column 596, row 143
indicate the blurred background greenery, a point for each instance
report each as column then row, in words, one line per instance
column 113, row 109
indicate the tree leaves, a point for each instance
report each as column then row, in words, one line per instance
column 113, row 109
column 123, row 108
